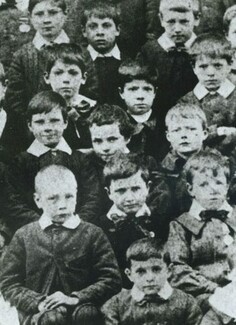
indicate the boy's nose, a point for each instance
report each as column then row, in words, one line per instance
column 100, row 30
column 177, row 28
column 210, row 71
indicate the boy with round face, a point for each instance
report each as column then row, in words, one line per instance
column 151, row 297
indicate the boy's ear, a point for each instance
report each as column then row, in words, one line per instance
column 161, row 18
column 167, row 136
column 118, row 30
column 108, row 191
column 29, row 126
column 46, row 78
column 128, row 274
column 37, row 200
column 121, row 90
column 189, row 189
column 85, row 75
column 205, row 133
column 149, row 184
column 84, row 32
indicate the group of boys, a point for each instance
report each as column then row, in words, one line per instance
column 123, row 172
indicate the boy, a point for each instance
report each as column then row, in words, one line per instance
column 211, row 56
column 130, row 218
column 186, row 132
column 59, row 269
column 47, row 120
column 65, row 73
column 27, row 68
column 151, row 300
column 101, row 27
column 202, row 240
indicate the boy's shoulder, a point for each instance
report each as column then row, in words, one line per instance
column 26, row 48
column 172, row 164
column 190, row 97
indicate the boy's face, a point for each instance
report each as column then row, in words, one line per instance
column 186, row 135
column 107, row 140
column 129, row 194
column 48, row 127
column 148, row 276
column 138, row 96
column 57, row 200
column 178, row 25
column 209, row 190
column 211, row 73
column 48, row 19
column 231, row 37
column 65, row 79
column 101, row 33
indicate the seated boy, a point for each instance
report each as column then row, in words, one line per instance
column 101, row 27
column 130, row 217
column 47, row 120
column 211, row 56
column 186, row 132
column 27, row 68
column 59, row 269
column 151, row 300
column 65, row 73
column 202, row 239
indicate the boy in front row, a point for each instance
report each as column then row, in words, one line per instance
column 151, row 300
column 58, row 270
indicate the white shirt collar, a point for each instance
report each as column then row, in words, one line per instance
column 144, row 210
column 79, row 98
column 115, row 53
column 3, row 119
column 39, row 41
column 142, row 118
column 226, row 88
column 166, row 43
column 38, row 149
column 196, row 209
column 165, row 292
column 71, row 223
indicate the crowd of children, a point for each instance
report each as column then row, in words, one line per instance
column 118, row 165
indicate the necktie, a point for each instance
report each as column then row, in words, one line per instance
column 207, row 215
column 179, row 48
column 151, row 298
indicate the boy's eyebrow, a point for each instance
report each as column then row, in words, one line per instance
column 120, row 189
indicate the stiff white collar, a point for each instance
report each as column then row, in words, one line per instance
column 144, row 210
column 79, row 98
column 38, row 149
column 3, row 119
column 166, row 43
column 165, row 292
column 142, row 118
column 226, row 88
column 71, row 223
column 196, row 209
column 115, row 53
column 39, row 41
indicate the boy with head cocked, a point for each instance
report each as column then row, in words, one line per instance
column 202, row 238
column 151, row 300
column 59, row 269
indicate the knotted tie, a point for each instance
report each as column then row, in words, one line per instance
column 151, row 298
column 207, row 215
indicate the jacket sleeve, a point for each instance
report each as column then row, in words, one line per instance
column 194, row 313
column 183, row 276
column 12, row 277
column 105, row 272
column 110, row 311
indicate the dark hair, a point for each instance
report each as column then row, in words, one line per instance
column 212, row 45
column 228, row 16
column 210, row 159
column 178, row 6
column 110, row 114
column 123, row 166
column 131, row 70
column 101, row 10
column 45, row 102
column 59, row 3
column 67, row 53
column 146, row 248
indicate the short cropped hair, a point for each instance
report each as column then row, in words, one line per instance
column 109, row 114
column 228, row 16
column 210, row 159
column 67, row 53
column 212, row 45
column 59, row 3
column 101, row 10
column 45, row 102
column 52, row 174
column 146, row 248
column 123, row 166
column 131, row 70
column 176, row 5
column 186, row 111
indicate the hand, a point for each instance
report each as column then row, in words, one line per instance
column 224, row 130
column 56, row 299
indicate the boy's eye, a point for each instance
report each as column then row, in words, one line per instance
column 39, row 13
column 133, row 88
column 121, row 190
column 58, row 72
column 219, row 183
column 135, row 188
column 73, row 72
column 53, row 12
column 106, row 25
column 112, row 139
column 171, row 21
column 203, row 184
column 69, row 196
column 39, row 122
column 203, row 66
column 147, row 89
column 218, row 65
column 54, row 120
column 96, row 140
column 140, row 271
column 155, row 269
column 51, row 198
column 92, row 26
column 184, row 21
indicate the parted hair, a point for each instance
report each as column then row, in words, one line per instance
column 59, row 3
column 176, row 5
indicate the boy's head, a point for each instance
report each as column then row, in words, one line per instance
column 177, row 18
column 211, row 56
column 186, row 128
column 127, row 182
column 56, row 192
column 229, row 21
column 207, row 175
column 65, row 70
column 2, row 83
column 147, row 263
column 101, row 26
column 48, row 17
column 110, row 130
column 47, row 117
column 137, row 87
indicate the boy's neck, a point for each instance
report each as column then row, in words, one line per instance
column 187, row 155
column 93, row 52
